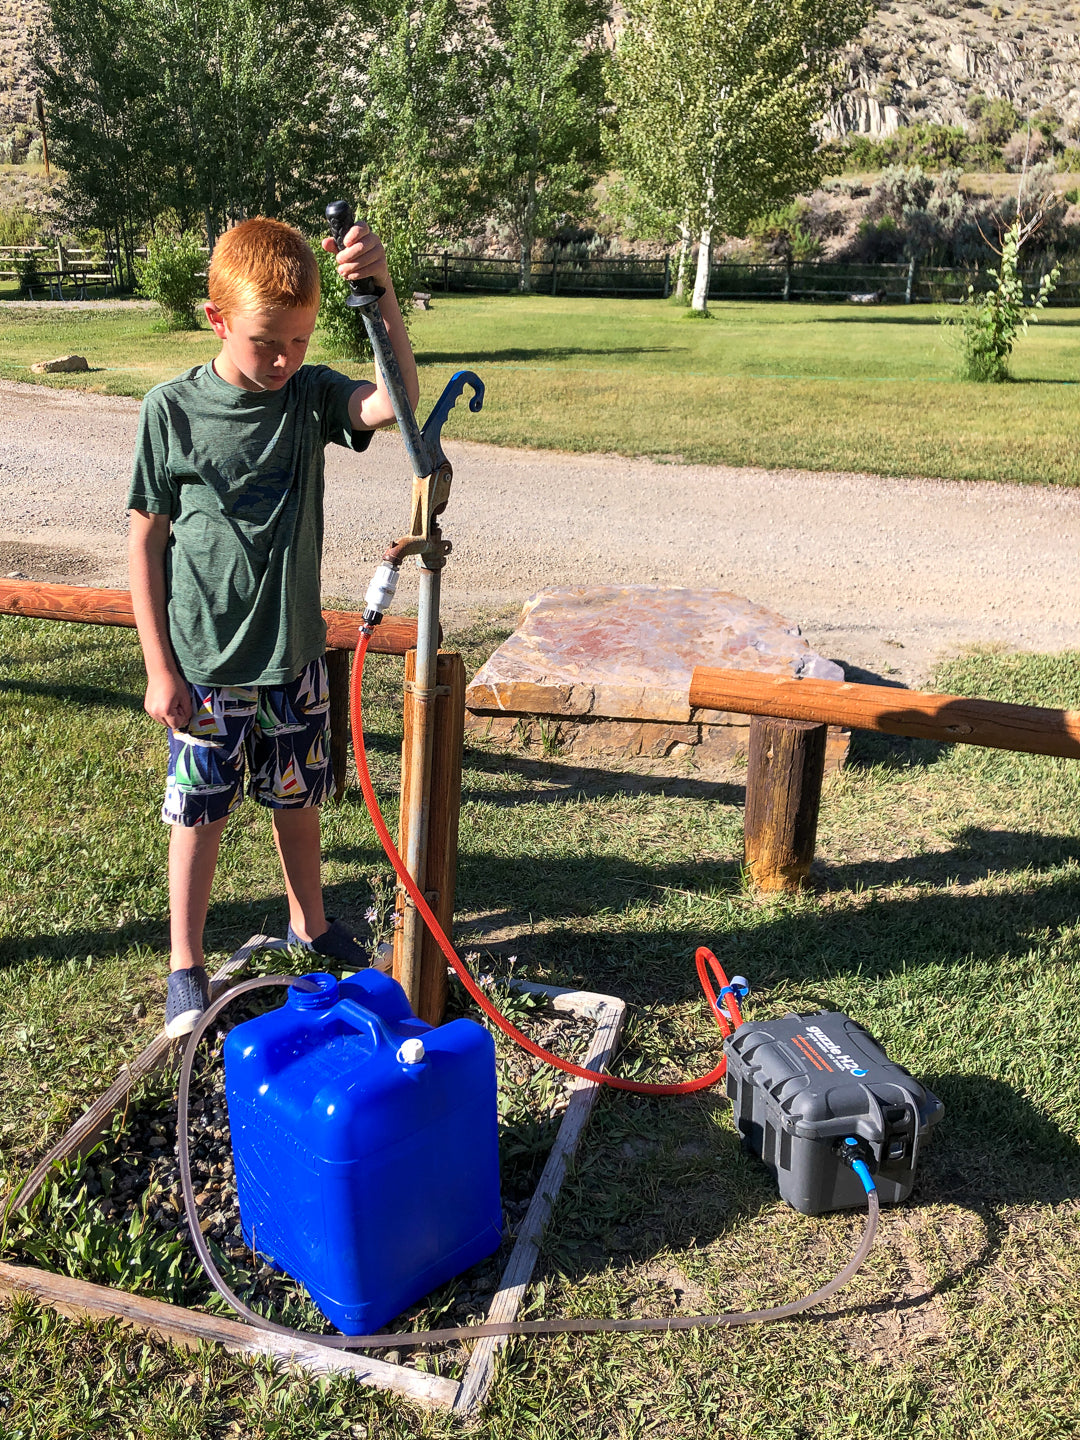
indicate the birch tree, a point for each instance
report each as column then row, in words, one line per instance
column 716, row 103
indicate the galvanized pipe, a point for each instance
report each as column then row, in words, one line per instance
column 368, row 305
column 432, row 560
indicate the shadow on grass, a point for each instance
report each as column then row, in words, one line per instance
column 83, row 695
column 992, row 1149
column 885, row 935
column 563, row 782
column 540, row 352
column 977, row 855
column 868, row 317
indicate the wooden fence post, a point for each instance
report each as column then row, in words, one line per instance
column 783, row 791
column 338, row 672
column 444, row 809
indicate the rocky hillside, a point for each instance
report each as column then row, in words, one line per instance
column 919, row 60
column 17, row 17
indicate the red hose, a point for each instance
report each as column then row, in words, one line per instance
column 704, row 958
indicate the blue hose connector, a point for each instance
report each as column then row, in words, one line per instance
column 862, row 1170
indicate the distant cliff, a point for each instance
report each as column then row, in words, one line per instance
column 916, row 60
column 921, row 59
column 17, row 17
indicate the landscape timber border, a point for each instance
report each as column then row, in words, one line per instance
column 191, row 1328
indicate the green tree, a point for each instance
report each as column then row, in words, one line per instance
column 201, row 111
column 716, row 104
column 96, row 69
column 538, row 139
column 408, row 149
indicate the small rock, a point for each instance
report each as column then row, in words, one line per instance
column 65, row 364
column 138, row 1011
column 16, row 575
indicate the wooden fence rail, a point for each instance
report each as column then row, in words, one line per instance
column 786, row 761
column 113, row 607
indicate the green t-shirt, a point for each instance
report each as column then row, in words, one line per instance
column 240, row 475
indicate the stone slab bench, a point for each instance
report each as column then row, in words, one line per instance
column 605, row 670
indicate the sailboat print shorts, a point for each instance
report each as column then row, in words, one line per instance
column 279, row 734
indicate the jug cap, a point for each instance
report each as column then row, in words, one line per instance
column 319, row 999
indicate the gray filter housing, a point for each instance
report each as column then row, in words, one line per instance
column 801, row 1085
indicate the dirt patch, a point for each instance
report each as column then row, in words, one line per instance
column 48, row 565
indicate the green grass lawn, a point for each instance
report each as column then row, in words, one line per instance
column 945, row 916
column 813, row 386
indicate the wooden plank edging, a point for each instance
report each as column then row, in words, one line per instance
column 609, row 1014
column 81, row 1299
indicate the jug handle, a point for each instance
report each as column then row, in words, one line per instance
column 367, row 1020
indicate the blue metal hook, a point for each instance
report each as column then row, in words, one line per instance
column 455, row 388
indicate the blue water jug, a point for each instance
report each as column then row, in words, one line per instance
column 365, row 1144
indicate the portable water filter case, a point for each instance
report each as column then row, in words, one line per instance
column 802, row 1085
column 365, row 1144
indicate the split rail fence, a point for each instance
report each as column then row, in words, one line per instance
column 909, row 283
column 61, row 272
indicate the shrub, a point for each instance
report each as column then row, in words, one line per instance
column 990, row 324
column 993, row 120
column 174, row 276
column 342, row 330
column 1025, row 147
column 26, row 268
column 18, row 226
column 925, row 143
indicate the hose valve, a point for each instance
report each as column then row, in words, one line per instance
column 380, row 593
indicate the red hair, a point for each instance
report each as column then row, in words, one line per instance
column 262, row 265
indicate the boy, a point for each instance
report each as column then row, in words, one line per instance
column 225, row 552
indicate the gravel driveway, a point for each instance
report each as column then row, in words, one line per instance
column 884, row 574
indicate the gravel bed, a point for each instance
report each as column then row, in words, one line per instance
column 123, row 1209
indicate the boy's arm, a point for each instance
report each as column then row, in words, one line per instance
column 370, row 406
column 168, row 698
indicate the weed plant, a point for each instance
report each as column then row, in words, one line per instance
column 989, row 323
column 341, row 329
column 943, row 915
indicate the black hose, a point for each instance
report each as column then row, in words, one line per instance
column 459, row 1332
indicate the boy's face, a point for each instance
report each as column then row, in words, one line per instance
column 262, row 349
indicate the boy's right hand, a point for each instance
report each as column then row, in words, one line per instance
column 168, row 700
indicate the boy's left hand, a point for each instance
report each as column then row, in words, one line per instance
column 362, row 255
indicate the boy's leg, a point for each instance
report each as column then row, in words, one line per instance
column 291, row 773
column 204, row 786
column 193, row 853
column 296, row 835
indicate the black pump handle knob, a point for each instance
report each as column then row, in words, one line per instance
column 340, row 218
